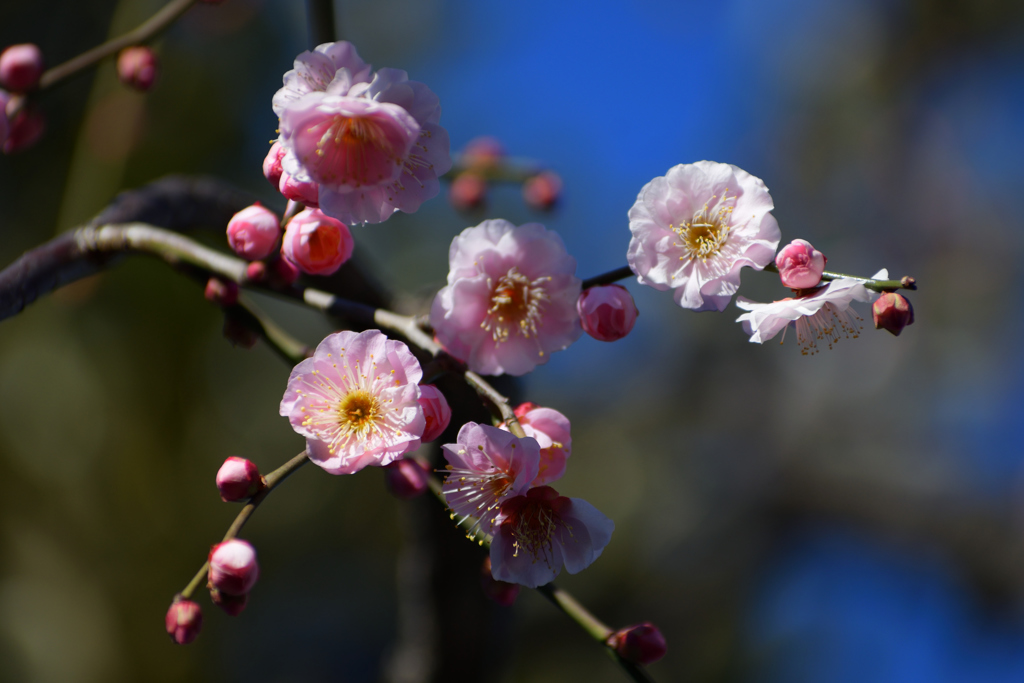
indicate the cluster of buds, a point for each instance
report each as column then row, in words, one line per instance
column 21, row 123
column 482, row 159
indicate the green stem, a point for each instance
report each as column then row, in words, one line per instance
column 869, row 282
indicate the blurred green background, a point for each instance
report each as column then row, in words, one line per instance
column 852, row 516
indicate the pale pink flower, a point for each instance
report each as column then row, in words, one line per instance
column 607, row 312
column 551, row 430
column 373, row 145
column 822, row 315
column 253, row 232
column 316, row 243
column 436, row 412
column 356, row 401
column 540, row 532
column 486, row 466
column 510, row 300
column 696, row 227
column 800, row 265
column 233, row 567
column 183, row 620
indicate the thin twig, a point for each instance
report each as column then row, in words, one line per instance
column 869, row 282
column 272, row 479
column 150, row 28
column 608, row 278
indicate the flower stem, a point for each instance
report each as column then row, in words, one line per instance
column 147, row 30
column 871, row 283
column 608, row 278
column 272, row 479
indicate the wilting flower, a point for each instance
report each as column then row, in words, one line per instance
column 510, row 300
column 541, row 531
column 551, row 430
column 372, row 143
column 356, row 401
column 696, row 227
column 822, row 315
column 486, row 466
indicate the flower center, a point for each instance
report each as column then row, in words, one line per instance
column 827, row 325
column 358, row 412
column 353, row 151
column 324, row 244
column 516, row 305
column 704, row 236
column 533, row 528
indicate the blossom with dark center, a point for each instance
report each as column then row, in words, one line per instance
column 541, row 531
column 696, row 227
column 486, row 466
column 356, row 401
column 510, row 300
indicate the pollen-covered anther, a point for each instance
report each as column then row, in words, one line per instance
column 707, row 232
column 517, row 305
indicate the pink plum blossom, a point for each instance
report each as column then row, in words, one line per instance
column 510, row 300
column 436, row 412
column 821, row 315
column 233, row 567
column 607, row 312
column 253, row 232
column 239, row 479
column 183, row 620
column 541, row 531
column 356, row 401
column 371, row 143
column 486, row 466
column 316, row 243
column 696, row 227
column 307, row 193
column 551, row 430
column 800, row 265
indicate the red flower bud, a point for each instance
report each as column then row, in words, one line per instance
column 25, row 129
column 138, row 67
column 501, row 592
column 183, row 621
column 220, row 292
column 406, row 478
column 640, row 644
column 607, row 312
column 542, row 191
column 233, row 567
column 482, row 152
column 20, row 67
column 468, row 191
column 239, row 479
column 231, row 604
column 892, row 312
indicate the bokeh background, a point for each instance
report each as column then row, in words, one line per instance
column 852, row 516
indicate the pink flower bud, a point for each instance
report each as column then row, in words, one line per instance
column 406, row 478
column 231, row 604
column 239, row 479
column 256, row 271
column 640, row 644
column 482, row 153
column 20, row 67
column 435, row 410
column 183, row 621
column 26, row 128
column 607, row 312
column 137, row 67
column 307, row 193
column 220, row 292
column 233, row 568
column 525, row 407
column 253, row 232
column 892, row 312
column 501, row 592
column 800, row 265
column 542, row 191
column 283, row 271
column 316, row 243
column 468, row 191
column 272, row 164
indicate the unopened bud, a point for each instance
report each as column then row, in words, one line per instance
column 138, row 67
column 272, row 164
column 238, row 329
column 221, row 292
column 800, row 265
column 482, row 153
column 183, row 621
column 256, row 271
column 892, row 312
column 406, row 478
column 233, row 567
column 468, row 191
column 317, row 243
column 253, row 232
column 239, row 479
column 231, row 604
column 20, row 67
column 607, row 312
column 501, row 592
column 524, row 408
column 25, row 129
column 542, row 191
column 435, row 411
column 640, row 644
column 283, row 271
column 307, row 193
